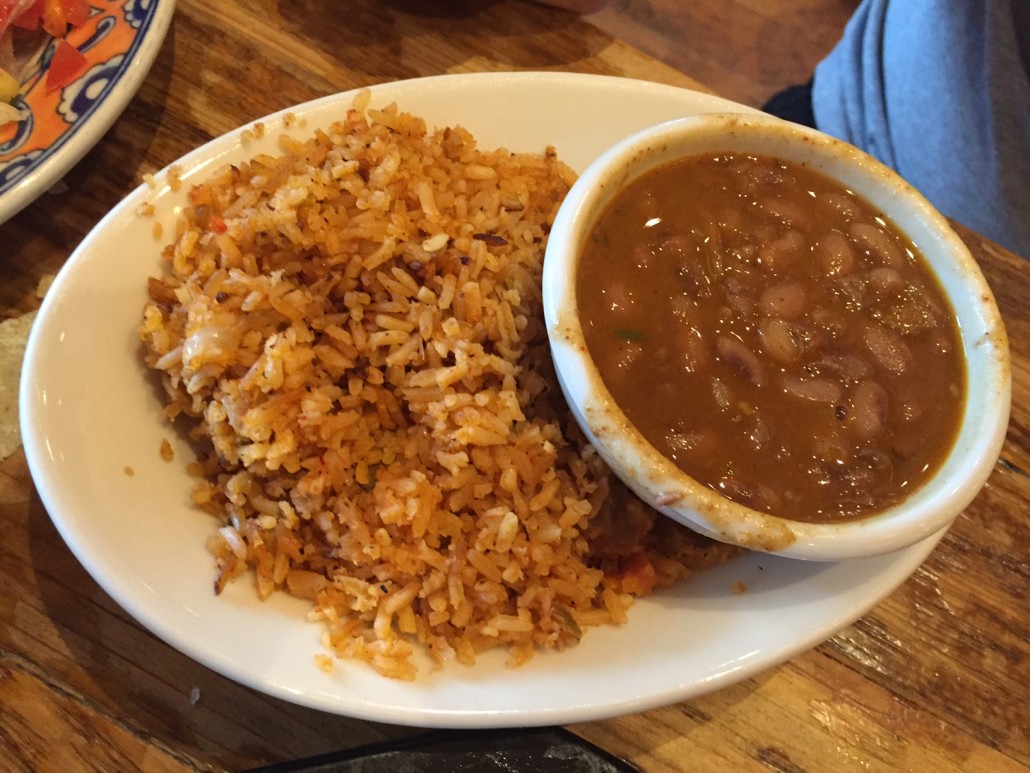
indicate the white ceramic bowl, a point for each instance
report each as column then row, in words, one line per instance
column 930, row 508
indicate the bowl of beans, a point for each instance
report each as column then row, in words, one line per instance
column 775, row 340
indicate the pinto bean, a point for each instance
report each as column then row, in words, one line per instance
column 620, row 360
column 835, row 254
column 643, row 255
column 746, row 362
column 721, row 393
column 676, row 244
column 739, row 299
column 819, row 390
column 845, row 366
column 693, row 279
column 785, row 300
column 694, row 353
column 886, row 279
column 790, row 212
column 852, row 289
column 619, row 299
column 941, row 342
column 843, row 204
column 870, row 403
column 864, row 470
column 731, row 221
column 700, row 443
column 876, row 461
column 878, row 243
column 779, row 253
column 760, row 436
column 911, row 411
column 887, row 348
column 778, row 340
column 830, row 447
column 753, row 495
column 831, row 321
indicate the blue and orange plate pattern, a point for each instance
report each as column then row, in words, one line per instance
column 120, row 41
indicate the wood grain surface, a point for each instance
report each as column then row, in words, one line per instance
column 933, row 679
column 744, row 50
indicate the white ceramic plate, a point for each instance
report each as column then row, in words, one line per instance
column 120, row 41
column 89, row 410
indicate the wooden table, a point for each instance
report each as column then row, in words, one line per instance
column 934, row 678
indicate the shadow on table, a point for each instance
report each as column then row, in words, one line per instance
column 96, row 654
column 540, row 750
column 513, row 35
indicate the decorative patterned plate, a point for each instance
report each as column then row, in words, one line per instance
column 120, row 40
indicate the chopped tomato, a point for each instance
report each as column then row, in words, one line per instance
column 76, row 11
column 54, row 15
column 58, row 14
column 31, row 18
column 6, row 9
column 55, row 21
column 67, row 65
column 218, row 225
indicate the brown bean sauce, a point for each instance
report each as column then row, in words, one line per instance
column 773, row 335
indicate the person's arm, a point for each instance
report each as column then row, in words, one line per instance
column 579, row 6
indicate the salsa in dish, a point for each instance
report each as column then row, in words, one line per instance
column 26, row 26
column 799, row 357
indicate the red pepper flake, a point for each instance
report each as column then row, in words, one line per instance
column 217, row 225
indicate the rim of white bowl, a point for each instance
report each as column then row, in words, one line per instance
column 655, row 479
